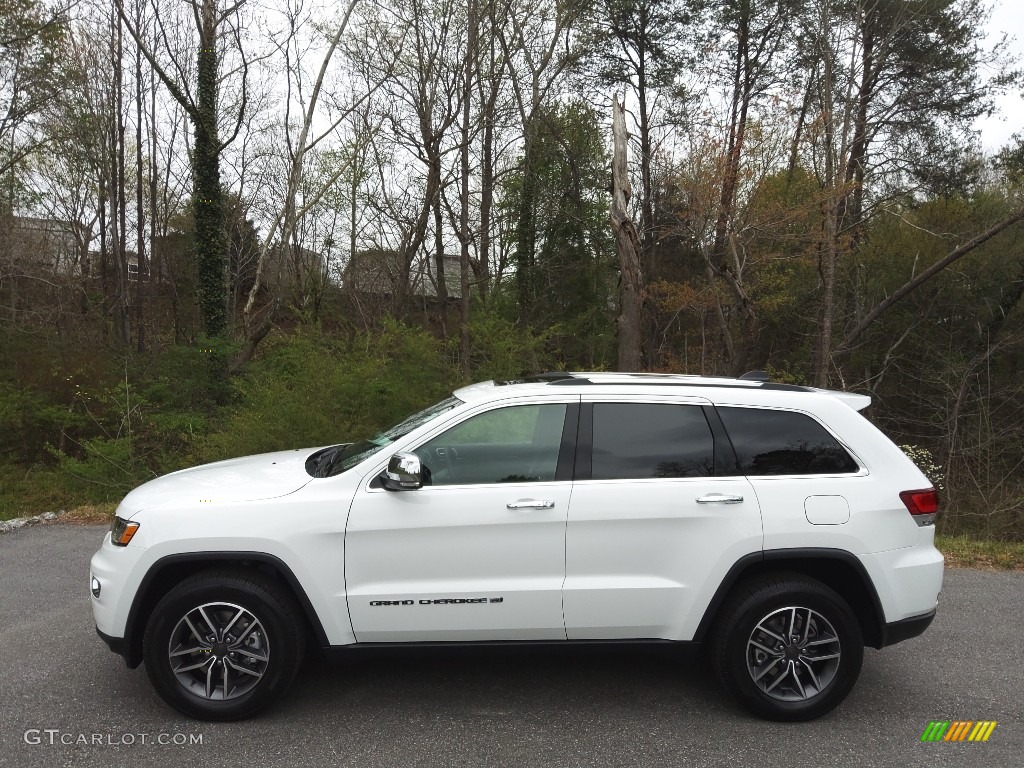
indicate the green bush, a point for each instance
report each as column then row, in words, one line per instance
column 309, row 389
column 106, row 471
column 91, row 427
column 189, row 377
column 30, row 490
column 501, row 350
column 29, row 420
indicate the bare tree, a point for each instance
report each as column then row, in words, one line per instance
column 425, row 98
column 628, row 245
column 302, row 139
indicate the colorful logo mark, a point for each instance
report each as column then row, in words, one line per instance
column 958, row 730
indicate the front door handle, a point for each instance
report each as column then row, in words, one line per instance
column 530, row 504
column 719, row 498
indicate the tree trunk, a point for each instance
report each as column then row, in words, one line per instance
column 440, row 279
column 483, row 271
column 140, row 240
column 117, row 194
column 155, row 262
column 737, row 129
column 649, row 318
column 464, row 235
column 627, row 244
column 102, row 198
column 742, row 93
column 526, row 231
column 828, row 251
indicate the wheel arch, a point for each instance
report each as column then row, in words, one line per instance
column 838, row 569
column 170, row 570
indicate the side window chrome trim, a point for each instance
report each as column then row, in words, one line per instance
column 862, row 472
column 467, row 486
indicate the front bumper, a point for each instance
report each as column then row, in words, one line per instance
column 116, row 644
column 115, row 569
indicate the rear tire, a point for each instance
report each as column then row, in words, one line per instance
column 787, row 647
column 224, row 644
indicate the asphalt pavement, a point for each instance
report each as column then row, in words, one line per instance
column 65, row 700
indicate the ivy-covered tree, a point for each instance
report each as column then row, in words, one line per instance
column 217, row 27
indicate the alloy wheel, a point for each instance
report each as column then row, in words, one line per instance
column 793, row 654
column 219, row 651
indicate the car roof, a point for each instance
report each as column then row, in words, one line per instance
column 584, row 380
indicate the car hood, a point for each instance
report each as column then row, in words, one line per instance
column 250, row 478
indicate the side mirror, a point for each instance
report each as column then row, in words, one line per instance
column 404, row 473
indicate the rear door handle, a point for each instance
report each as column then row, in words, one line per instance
column 530, row 504
column 719, row 498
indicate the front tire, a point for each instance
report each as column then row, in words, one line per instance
column 788, row 647
column 223, row 644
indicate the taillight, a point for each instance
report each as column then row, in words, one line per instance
column 922, row 505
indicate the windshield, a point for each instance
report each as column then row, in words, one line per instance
column 340, row 458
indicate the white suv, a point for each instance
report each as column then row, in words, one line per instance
column 770, row 522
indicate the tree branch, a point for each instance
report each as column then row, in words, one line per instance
column 172, row 87
column 960, row 251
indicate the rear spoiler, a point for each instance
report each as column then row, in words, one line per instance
column 855, row 401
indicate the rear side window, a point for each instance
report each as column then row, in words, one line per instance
column 638, row 440
column 783, row 443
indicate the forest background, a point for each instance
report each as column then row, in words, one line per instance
column 230, row 227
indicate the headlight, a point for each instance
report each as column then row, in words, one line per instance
column 121, row 531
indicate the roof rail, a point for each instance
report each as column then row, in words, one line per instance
column 550, row 376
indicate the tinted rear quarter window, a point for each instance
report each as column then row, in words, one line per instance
column 639, row 440
column 769, row 442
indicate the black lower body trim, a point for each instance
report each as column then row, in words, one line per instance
column 898, row 631
column 116, row 644
column 120, row 647
column 504, row 647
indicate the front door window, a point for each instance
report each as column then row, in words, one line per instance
column 518, row 444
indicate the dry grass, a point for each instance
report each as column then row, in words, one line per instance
column 88, row 514
column 965, row 552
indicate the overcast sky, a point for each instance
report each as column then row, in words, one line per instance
column 996, row 131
